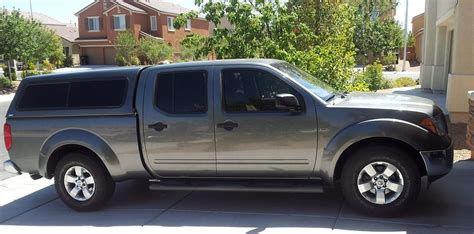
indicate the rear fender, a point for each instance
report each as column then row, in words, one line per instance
column 85, row 139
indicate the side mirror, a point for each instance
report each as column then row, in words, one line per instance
column 288, row 102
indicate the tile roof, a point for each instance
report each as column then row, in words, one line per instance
column 129, row 6
column 164, row 6
column 42, row 18
column 68, row 32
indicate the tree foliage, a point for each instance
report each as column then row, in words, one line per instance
column 271, row 29
column 193, row 47
column 154, row 51
column 27, row 40
column 126, row 47
column 375, row 30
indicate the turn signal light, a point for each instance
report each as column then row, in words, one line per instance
column 428, row 124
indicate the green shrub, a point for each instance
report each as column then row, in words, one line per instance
column 373, row 76
column 135, row 61
column 121, row 61
column 404, row 82
column 30, row 66
column 5, row 83
column 6, row 73
column 68, row 61
column 358, row 84
column 28, row 73
column 389, row 59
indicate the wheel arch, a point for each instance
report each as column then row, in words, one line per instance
column 77, row 140
column 406, row 135
column 381, row 141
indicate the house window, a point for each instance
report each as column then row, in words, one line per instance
column 119, row 23
column 171, row 24
column 188, row 25
column 93, row 23
column 66, row 51
column 153, row 25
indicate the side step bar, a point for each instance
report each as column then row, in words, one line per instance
column 292, row 186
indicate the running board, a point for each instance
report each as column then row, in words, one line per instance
column 291, row 186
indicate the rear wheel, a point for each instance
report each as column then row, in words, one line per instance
column 380, row 181
column 82, row 182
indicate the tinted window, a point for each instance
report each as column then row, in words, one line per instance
column 76, row 94
column 104, row 93
column 182, row 92
column 252, row 90
column 44, row 96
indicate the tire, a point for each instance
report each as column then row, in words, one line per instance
column 99, row 189
column 385, row 196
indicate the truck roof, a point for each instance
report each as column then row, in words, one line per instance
column 135, row 69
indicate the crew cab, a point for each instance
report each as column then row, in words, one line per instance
column 247, row 125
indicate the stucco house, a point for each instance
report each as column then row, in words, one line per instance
column 101, row 21
column 448, row 53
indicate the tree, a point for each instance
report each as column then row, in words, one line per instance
column 27, row 40
column 126, row 46
column 271, row 29
column 154, row 51
column 411, row 39
column 193, row 47
column 375, row 30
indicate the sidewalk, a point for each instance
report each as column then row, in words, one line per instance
column 32, row 206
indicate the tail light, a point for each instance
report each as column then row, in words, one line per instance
column 7, row 135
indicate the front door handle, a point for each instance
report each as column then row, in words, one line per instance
column 158, row 126
column 228, row 125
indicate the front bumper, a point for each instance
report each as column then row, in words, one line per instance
column 11, row 167
column 438, row 162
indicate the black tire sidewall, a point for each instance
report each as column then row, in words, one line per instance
column 399, row 159
column 104, row 185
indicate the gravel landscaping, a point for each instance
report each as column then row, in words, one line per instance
column 458, row 134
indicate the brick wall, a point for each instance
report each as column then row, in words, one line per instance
column 470, row 123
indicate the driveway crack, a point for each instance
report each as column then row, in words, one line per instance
column 168, row 208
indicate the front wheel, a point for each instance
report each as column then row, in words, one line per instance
column 82, row 182
column 380, row 181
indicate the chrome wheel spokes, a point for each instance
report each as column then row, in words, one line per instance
column 79, row 183
column 380, row 182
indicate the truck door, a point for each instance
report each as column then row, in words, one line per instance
column 253, row 138
column 178, row 123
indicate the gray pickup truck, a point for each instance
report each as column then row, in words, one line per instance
column 247, row 125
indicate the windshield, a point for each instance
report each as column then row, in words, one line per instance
column 308, row 81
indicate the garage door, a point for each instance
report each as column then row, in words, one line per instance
column 110, row 56
column 94, row 55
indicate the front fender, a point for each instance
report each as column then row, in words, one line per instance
column 412, row 134
column 82, row 138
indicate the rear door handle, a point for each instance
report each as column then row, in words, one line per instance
column 158, row 126
column 228, row 125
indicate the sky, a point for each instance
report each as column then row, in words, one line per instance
column 63, row 10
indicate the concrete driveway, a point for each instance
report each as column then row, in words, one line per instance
column 4, row 104
column 32, row 206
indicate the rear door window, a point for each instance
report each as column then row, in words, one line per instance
column 182, row 92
